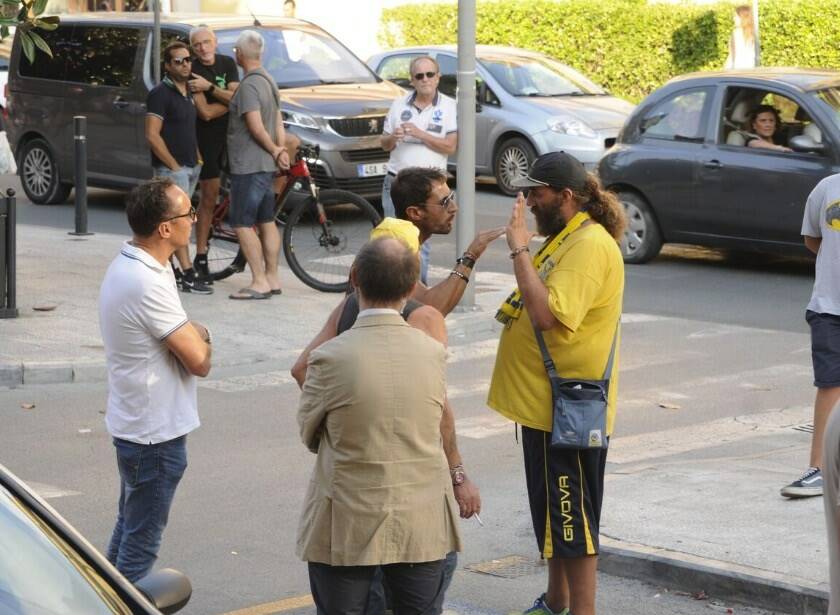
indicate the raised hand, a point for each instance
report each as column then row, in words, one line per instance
column 517, row 232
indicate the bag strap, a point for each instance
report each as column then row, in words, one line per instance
column 548, row 362
column 272, row 83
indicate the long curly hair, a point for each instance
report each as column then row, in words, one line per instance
column 603, row 206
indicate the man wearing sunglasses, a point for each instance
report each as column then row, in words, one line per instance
column 153, row 353
column 170, row 133
column 420, row 131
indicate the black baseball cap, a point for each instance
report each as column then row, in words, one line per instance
column 556, row 169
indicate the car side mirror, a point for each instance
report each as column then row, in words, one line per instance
column 806, row 144
column 653, row 120
column 167, row 589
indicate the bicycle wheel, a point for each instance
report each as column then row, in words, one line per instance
column 224, row 257
column 321, row 254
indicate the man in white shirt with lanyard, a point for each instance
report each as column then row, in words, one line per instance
column 153, row 353
column 421, row 130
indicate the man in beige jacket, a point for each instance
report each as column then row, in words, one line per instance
column 371, row 408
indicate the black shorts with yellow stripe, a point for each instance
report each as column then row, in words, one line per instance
column 565, row 490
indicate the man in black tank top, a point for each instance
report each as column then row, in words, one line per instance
column 350, row 312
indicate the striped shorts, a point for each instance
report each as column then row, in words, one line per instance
column 565, row 491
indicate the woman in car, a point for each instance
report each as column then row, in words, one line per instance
column 764, row 121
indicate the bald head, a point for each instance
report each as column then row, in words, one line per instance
column 385, row 271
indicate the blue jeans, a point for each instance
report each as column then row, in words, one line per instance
column 379, row 597
column 149, row 474
column 186, row 178
column 389, row 211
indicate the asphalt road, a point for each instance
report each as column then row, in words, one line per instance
column 751, row 290
column 233, row 524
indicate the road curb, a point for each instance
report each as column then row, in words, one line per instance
column 724, row 581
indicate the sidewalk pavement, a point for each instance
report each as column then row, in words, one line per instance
column 63, row 343
column 705, row 518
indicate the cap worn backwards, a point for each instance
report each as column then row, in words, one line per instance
column 555, row 169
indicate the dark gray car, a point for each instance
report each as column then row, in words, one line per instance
column 683, row 170
column 102, row 68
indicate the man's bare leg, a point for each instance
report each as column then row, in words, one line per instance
column 252, row 248
column 270, row 240
column 209, row 197
column 183, row 256
column 571, row 584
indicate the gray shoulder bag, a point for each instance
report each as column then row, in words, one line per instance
column 579, row 406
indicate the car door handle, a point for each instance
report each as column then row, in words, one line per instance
column 713, row 164
column 120, row 103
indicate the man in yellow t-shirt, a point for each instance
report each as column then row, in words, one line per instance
column 571, row 291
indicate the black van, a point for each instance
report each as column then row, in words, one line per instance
column 102, row 68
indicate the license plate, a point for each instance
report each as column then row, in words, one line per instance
column 370, row 170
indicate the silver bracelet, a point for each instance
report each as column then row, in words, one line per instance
column 460, row 275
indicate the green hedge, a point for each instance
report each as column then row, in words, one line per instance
column 629, row 46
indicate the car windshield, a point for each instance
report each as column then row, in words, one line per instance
column 538, row 76
column 40, row 574
column 829, row 99
column 300, row 56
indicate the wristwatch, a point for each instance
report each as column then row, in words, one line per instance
column 211, row 88
column 458, row 475
column 467, row 260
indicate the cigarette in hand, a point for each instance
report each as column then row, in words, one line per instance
column 477, row 518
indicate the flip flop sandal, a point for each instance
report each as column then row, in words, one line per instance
column 249, row 294
column 276, row 291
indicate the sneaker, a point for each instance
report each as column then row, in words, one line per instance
column 806, row 486
column 189, row 283
column 540, row 608
column 201, row 269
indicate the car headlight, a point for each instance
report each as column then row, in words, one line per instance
column 293, row 118
column 570, row 126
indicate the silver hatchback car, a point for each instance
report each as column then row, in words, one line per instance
column 528, row 104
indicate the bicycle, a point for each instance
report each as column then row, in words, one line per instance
column 321, row 233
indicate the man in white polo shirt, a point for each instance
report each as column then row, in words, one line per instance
column 421, row 130
column 153, row 353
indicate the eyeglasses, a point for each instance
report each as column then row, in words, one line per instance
column 179, row 61
column 192, row 213
column 427, row 75
column 445, row 202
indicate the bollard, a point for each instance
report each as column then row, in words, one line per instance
column 80, row 174
column 8, row 252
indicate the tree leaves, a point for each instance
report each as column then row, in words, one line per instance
column 631, row 47
column 27, row 45
column 40, row 43
column 27, row 20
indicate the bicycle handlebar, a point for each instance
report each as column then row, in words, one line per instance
column 308, row 151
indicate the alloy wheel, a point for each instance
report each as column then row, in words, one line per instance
column 513, row 163
column 38, row 171
column 636, row 231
